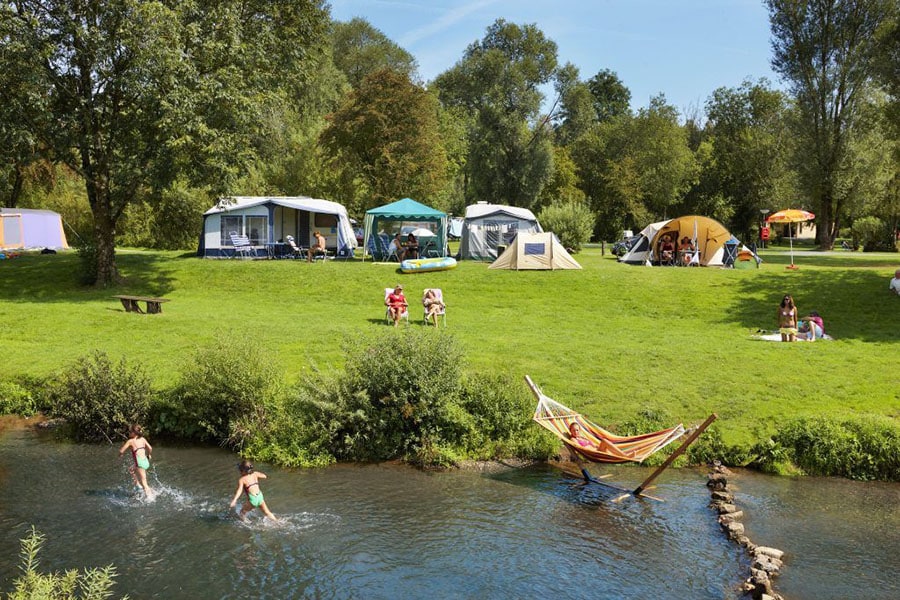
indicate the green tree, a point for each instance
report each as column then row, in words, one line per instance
column 825, row 51
column 498, row 82
column 576, row 113
column 135, row 93
column 360, row 49
column 611, row 97
column 749, row 162
column 388, row 133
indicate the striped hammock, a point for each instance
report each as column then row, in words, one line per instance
column 604, row 447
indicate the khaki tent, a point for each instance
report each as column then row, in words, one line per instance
column 535, row 251
column 708, row 235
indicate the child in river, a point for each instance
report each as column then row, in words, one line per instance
column 140, row 453
column 249, row 483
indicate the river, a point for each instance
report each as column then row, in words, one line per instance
column 390, row 531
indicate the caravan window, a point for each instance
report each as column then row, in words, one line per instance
column 256, row 230
column 499, row 232
column 229, row 225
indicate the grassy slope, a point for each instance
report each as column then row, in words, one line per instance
column 609, row 340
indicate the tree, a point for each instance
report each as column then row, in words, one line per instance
column 360, row 49
column 388, row 133
column 576, row 113
column 825, row 52
column 611, row 97
column 498, row 82
column 134, row 93
column 748, row 166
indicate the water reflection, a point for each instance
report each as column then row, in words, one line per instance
column 387, row 531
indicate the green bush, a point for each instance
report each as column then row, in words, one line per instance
column 572, row 222
column 16, row 400
column 98, row 398
column 220, row 384
column 87, row 260
column 92, row 584
column 862, row 448
column 872, row 234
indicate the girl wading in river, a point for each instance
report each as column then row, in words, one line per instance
column 249, row 483
column 140, row 453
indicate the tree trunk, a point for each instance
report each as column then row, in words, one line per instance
column 105, row 240
column 825, row 230
column 16, row 191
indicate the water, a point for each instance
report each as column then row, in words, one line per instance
column 388, row 531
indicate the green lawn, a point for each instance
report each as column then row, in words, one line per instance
column 610, row 339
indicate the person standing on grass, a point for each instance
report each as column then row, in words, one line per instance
column 895, row 283
column 787, row 319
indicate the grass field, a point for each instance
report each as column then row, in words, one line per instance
column 610, row 339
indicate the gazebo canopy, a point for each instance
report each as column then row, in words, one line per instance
column 406, row 210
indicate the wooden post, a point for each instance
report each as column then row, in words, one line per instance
column 684, row 446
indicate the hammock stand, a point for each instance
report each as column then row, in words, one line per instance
column 607, row 447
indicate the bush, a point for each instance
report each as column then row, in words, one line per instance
column 872, row 234
column 98, row 398
column 92, row 584
column 219, row 385
column 16, row 400
column 86, row 249
column 572, row 222
column 862, row 448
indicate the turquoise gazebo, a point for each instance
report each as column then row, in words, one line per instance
column 382, row 222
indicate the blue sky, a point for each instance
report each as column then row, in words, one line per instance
column 682, row 48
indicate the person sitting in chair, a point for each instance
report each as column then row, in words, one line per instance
column 666, row 251
column 410, row 248
column 395, row 247
column 686, row 250
column 317, row 249
column 396, row 303
column 433, row 306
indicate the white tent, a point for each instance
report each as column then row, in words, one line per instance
column 488, row 226
column 28, row 228
column 535, row 251
column 266, row 220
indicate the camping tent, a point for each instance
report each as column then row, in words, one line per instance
column 401, row 216
column 709, row 237
column 26, row 228
column 535, row 251
column 488, row 226
column 267, row 219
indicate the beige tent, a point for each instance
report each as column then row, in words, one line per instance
column 535, row 251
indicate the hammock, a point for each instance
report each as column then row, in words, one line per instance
column 605, row 447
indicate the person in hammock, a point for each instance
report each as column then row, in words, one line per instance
column 576, row 434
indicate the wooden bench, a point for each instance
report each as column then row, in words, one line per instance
column 131, row 304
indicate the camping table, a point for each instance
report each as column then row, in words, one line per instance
column 278, row 250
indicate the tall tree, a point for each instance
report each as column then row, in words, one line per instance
column 824, row 49
column 576, row 113
column 611, row 97
column 388, row 133
column 498, row 81
column 360, row 49
column 749, row 166
column 135, row 92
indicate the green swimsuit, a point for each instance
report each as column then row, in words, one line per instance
column 140, row 461
column 254, row 499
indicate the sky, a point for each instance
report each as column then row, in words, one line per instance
column 684, row 49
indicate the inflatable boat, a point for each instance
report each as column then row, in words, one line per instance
column 421, row 265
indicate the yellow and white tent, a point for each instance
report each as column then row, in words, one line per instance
column 535, row 251
column 708, row 235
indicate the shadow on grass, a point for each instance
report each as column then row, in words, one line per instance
column 56, row 278
column 854, row 302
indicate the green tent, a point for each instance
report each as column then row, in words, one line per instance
column 398, row 217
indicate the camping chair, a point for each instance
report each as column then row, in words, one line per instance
column 442, row 313
column 387, row 309
column 390, row 252
column 242, row 246
column 296, row 251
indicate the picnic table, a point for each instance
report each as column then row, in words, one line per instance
column 154, row 305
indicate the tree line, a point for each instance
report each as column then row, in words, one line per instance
column 130, row 117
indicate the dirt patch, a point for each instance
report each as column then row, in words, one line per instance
column 13, row 422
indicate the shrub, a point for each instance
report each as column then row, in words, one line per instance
column 98, row 398
column 92, row 584
column 572, row 222
column 87, row 260
column 219, row 385
column 872, row 234
column 861, row 448
column 16, row 400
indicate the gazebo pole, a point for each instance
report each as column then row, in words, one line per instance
column 684, row 446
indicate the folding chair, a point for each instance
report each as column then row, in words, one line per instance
column 242, row 246
column 387, row 309
column 296, row 251
column 442, row 312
